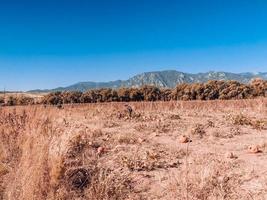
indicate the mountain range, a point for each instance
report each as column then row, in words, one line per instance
column 166, row 79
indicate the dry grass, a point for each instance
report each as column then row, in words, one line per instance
column 198, row 130
column 88, row 152
column 243, row 120
column 202, row 180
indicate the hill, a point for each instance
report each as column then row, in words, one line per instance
column 165, row 79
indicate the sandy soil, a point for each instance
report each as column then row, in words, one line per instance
column 164, row 150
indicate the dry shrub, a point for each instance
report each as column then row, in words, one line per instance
column 96, row 133
column 110, row 124
column 138, row 163
column 259, row 124
column 2, row 189
column 198, row 130
column 141, row 127
column 78, row 179
column 2, row 100
column 71, row 176
column 242, row 120
column 210, row 90
column 71, row 97
column 14, row 99
column 151, row 93
column 97, row 184
column 161, row 126
column 3, row 171
column 175, row 117
column 83, row 177
column 127, row 113
column 107, row 185
column 127, row 139
column 207, row 178
column 233, row 131
column 149, row 160
column 11, row 125
column 2, row 152
column 54, row 98
column 11, row 101
column 77, row 145
column 259, row 87
column 210, row 124
column 166, row 94
column 23, row 100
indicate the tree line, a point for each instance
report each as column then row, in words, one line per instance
column 210, row 90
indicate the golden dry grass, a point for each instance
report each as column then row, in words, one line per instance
column 90, row 152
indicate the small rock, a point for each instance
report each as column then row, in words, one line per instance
column 140, row 140
column 155, row 134
column 254, row 149
column 231, row 155
column 101, row 150
column 94, row 144
column 184, row 139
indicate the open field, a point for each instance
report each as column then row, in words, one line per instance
column 162, row 150
column 20, row 98
column 26, row 94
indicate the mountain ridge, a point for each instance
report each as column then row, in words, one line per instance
column 163, row 79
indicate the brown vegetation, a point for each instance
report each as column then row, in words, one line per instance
column 87, row 152
column 211, row 90
column 13, row 100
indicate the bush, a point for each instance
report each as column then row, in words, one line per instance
column 166, row 94
column 11, row 101
column 151, row 93
column 198, row 91
column 259, row 87
column 2, row 100
column 124, row 94
column 88, row 97
column 136, row 95
column 23, row 100
column 71, row 97
column 54, row 98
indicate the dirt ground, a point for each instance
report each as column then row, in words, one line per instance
column 163, row 150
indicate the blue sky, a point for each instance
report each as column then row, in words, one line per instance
column 45, row 44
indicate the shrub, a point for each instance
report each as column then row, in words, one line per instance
column 106, row 95
column 211, row 90
column 136, row 94
column 88, row 97
column 23, row 100
column 151, row 93
column 71, row 97
column 166, row 94
column 2, row 100
column 259, row 87
column 54, row 98
column 11, row 101
column 124, row 94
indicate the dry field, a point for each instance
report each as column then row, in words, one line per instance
column 18, row 94
column 36, row 97
column 164, row 150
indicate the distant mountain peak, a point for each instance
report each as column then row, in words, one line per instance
column 163, row 79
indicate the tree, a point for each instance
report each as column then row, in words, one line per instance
column 124, row 94
column 151, row 93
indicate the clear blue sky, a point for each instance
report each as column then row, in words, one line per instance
column 50, row 43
